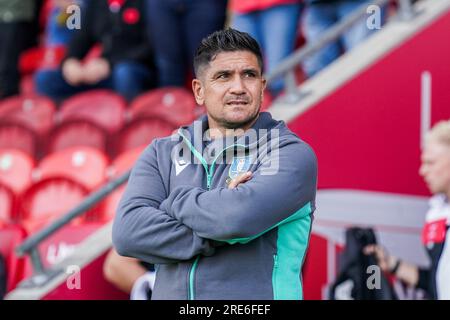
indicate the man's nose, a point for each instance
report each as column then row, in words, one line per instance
column 237, row 85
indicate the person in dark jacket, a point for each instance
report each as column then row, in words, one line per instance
column 18, row 32
column 178, row 26
column 224, row 206
column 356, row 280
column 126, row 62
column 435, row 170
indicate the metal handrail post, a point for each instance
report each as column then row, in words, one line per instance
column 29, row 246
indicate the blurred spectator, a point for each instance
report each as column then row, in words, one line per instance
column 321, row 15
column 18, row 31
column 273, row 23
column 178, row 26
column 126, row 63
column 435, row 170
column 351, row 281
column 57, row 36
column 129, row 275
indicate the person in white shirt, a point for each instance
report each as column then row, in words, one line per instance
column 435, row 170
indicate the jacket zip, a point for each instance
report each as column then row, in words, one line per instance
column 209, row 176
column 191, row 295
column 274, row 275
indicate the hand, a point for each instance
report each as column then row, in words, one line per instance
column 96, row 70
column 240, row 179
column 72, row 71
column 385, row 261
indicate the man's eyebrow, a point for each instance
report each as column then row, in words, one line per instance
column 222, row 71
column 229, row 71
column 254, row 70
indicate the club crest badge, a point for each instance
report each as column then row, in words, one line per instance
column 239, row 166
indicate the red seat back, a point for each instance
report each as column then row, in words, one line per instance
column 84, row 165
column 78, row 133
column 110, row 205
column 125, row 161
column 48, row 200
column 121, row 164
column 15, row 169
column 34, row 112
column 141, row 132
column 173, row 104
column 7, row 204
column 103, row 107
column 17, row 136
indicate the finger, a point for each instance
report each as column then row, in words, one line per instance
column 240, row 179
column 236, row 181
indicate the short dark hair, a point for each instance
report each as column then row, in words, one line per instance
column 227, row 40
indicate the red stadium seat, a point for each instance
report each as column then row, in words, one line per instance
column 173, row 104
column 121, row 164
column 103, row 107
column 17, row 136
column 10, row 237
column 16, row 168
column 7, row 205
column 77, row 133
column 125, row 161
column 24, row 121
column 84, row 165
column 109, row 207
column 141, row 132
column 48, row 200
column 34, row 112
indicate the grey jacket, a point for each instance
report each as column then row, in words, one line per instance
column 211, row 242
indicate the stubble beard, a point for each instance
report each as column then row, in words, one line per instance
column 236, row 125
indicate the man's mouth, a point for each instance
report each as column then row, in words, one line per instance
column 237, row 103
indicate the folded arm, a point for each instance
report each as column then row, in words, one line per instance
column 255, row 207
column 142, row 230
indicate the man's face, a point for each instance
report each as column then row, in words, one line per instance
column 231, row 89
column 435, row 168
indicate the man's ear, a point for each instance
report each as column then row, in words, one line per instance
column 198, row 90
column 264, row 85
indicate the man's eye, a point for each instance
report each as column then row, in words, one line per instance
column 250, row 75
column 222, row 76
